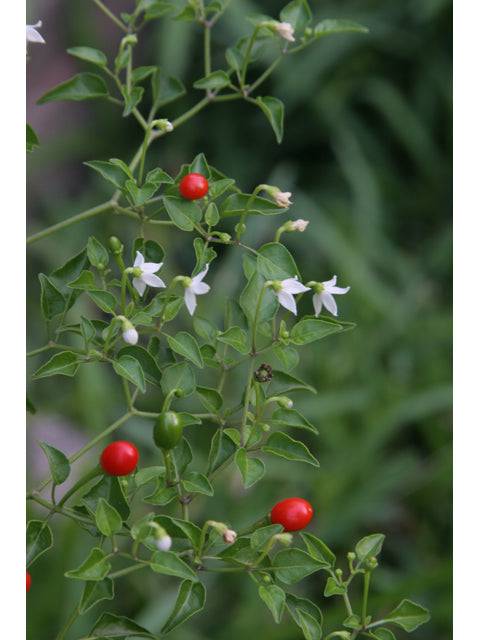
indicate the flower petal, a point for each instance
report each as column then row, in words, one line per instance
column 329, row 302
column 152, row 280
column 190, row 300
column 293, row 285
column 139, row 260
column 339, row 291
column 139, row 285
column 288, row 301
column 33, row 35
column 330, row 283
column 151, row 267
column 200, row 276
column 317, row 303
column 200, row 288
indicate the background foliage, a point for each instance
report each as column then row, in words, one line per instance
column 367, row 156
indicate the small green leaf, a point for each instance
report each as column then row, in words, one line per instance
column 408, row 615
column 64, row 363
column 298, row 14
column 168, row 563
column 110, row 626
column 274, row 110
column 84, row 282
column 147, row 362
column 212, row 217
column 261, row 537
column 95, row 592
column 84, row 86
column 307, row 616
column 194, row 482
column 95, row 567
column 288, row 356
column 103, row 299
column 369, row 547
column 275, row 262
column 183, row 213
column 235, row 337
column 178, row 528
column 213, row 81
column 282, row 445
column 328, row 27
column 250, row 296
column 166, row 89
column 107, row 518
column 252, row 469
column 292, row 565
column 89, row 54
column 109, row 171
column 179, row 376
column 205, row 329
column 190, row 600
column 130, row 369
column 52, row 301
column 221, row 449
column 210, row 398
column 319, row 550
column 333, row 589
column 142, row 73
column 57, row 462
column 158, row 176
column 32, row 139
column 292, row 418
column 352, row 622
column 310, row 329
column 97, row 254
column 274, row 598
column 383, row 634
column 238, row 204
column 39, row 540
column 185, row 345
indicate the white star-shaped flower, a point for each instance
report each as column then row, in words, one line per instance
column 285, row 289
column 32, row 34
column 285, row 30
column 195, row 288
column 147, row 275
column 323, row 296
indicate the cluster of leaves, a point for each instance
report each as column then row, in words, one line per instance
column 191, row 364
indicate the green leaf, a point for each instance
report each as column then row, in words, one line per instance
column 352, row 621
column 183, row 213
column 95, row 567
column 162, row 495
column 288, row 356
column 328, row 27
column 84, row 86
column 211, row 216
column 292, row 565
column 292, row 418
column 194, row 482
column 68, row 273
column 89, row 54
column 95, row 592
column 239, row 204
column 369, row 547
column 260, row 537
column 298, row 14
column 178, row 528
column 274, row 110
column 84, row 282
column 285, row 383
column 130, row 369
column 166, row 89
column 310, row 329
column 110, row 626
column 39, row 540
column 109, row 488
column 307, row 616
column 275, row 262
column 333, row 589
column 210, row 398
column 32, row 139
column 64, row 363
column 383, row 634
column 158, row 176
column 185, row 345
column 319, row 550
column 168, row 563
column 221, row 449
column 205, row 329
column 408, row 615
column 97, row 254
column 109, row 171
column 274, row 598
column 213, row 81
column 30, row 406
column 190, row 600
column 147, row 362
column 57, row 462
column 142, row 73
column 52, row 301
column 252, row 469
column 107, row 518
column 235, row 337
column 249, row 300
column 178, row 376
column 103, row 299
column 282, row 445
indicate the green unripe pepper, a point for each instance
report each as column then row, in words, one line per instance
column 168, row 430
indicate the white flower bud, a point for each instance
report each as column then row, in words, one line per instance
column 130, row 335
column 164, row 543
column 285, row 30
column 229, row 536
column 282, row 198
column 299, row 225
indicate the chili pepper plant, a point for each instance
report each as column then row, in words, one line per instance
column 152, row 328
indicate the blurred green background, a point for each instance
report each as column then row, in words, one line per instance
column 367, row 156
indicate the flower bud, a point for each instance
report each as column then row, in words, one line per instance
column 285, row 30
column 224, row 237
column 240, row 229
column 264, row 373
column 371, row 563
column 163, row 125
column 284, row 538
column 130, row 336
column 351, row 555
column 164, row 543
column 297, row 225
column 285, row 402
column 229, row 536
column 264, row 427
column 115, row 245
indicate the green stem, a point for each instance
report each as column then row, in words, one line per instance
column 248, row 53
column 366, row 587
column 112, row 16
column 127, row 570
column 243, row 427
column 84, row 215
column 255, row 319
column 145, row 145
column 82, row 481
column 261, row 79
column 56, row 509
column 75, row 613
column 207, row 50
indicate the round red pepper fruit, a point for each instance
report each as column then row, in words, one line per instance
column 292, row 513
column 29, row 581
column 193, row 186
column 119, row 458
